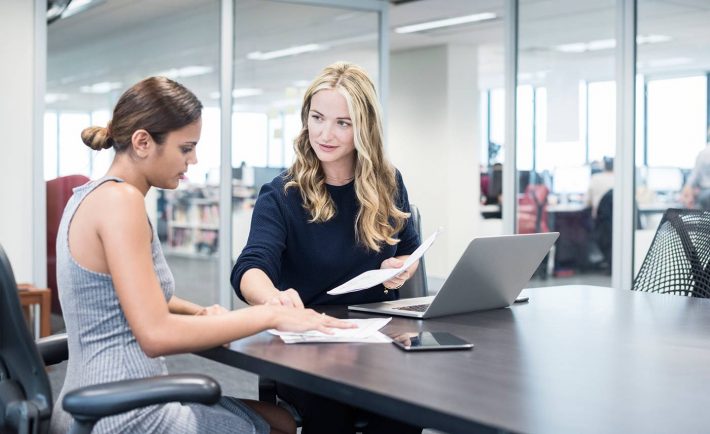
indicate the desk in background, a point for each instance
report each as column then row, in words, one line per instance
column 575, row 359
column 36, row 304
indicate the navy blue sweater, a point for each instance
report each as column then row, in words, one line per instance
column 313, row 258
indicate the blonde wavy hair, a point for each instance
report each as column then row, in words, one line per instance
column 379, row 219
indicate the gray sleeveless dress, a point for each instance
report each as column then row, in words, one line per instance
column 102, row 348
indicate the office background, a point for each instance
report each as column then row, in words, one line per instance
column 449, row 118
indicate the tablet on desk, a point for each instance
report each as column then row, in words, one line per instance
column 426, row 341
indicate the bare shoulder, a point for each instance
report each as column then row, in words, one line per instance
column 115, row 202
column 118, row 197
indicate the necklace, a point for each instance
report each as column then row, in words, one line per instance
column 340, row 181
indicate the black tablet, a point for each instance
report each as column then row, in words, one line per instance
column 425, row 341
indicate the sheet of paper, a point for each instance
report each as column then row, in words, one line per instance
column 377, row 338
column 368, row 279
column 367, row 331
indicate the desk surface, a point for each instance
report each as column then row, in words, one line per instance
column 574, row 359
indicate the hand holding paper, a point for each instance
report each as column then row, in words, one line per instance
column 371, row 278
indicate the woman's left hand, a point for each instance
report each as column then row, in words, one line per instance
column 397, row 281
column 215, row 309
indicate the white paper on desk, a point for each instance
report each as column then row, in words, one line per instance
column 367, row 331
column 368, row 279
column 376, row 338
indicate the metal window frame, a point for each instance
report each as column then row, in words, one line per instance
column 624, row 181
column 39, row 190
column 510, row 166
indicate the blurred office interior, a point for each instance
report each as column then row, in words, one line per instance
column 445, row 104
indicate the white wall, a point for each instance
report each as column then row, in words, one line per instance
column 434, row 140
column 18, row 76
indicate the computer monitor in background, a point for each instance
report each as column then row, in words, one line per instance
column 664, row 179
column 571, row 180
column 264, row 175
column 237, row 172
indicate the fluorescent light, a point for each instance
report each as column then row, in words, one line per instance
column 51, row 98
column 446, row 22
column 77, row 6
column 246, row 91
column 102, row 87
column 607, row 44
column 291, row 51
column 652, row 39
column 601, row 44
column 286, row 103
column 186, row 71
column 577, row 47
column 673, row 61
column 302, row 83
column 240, row 92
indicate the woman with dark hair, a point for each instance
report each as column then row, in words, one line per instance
column 115, row 286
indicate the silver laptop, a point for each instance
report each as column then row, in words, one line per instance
column 490, row 274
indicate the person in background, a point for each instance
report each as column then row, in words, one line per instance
column 341, row 209
column 115, row 287
column 599, row 184
column 696, row 192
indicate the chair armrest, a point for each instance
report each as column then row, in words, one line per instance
column 267, row 390
column 53, row 349
column 101, row 400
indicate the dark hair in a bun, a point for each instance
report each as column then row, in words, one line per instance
column 97, row 138
column 156, row 104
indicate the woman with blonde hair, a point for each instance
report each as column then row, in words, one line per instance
column 115, row 287
column 340, row 209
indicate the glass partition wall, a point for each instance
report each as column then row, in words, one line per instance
column 275, row 60
column 566, row 134
column 93, row 57
column 672, row 111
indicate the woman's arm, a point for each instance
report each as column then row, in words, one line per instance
column 261, row 257
column 179, row 306
column 257, row 288
column 158, row 331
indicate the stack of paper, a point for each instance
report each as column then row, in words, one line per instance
column 367, row 331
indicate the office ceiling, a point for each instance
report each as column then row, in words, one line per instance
column 117, row 42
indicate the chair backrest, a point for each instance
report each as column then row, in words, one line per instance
column 417, row 285
column 59, row 191
column 532, row 210
column 678, row 261
column 25, row 393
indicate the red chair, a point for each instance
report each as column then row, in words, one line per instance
column 532, row 210
column 59, row 191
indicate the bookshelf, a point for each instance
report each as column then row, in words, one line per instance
column 193, row 222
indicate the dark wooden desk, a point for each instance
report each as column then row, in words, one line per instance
column 575, row 359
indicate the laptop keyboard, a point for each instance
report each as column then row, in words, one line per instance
column 414, row 308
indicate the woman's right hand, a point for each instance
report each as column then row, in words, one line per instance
column 288, row 298
column 302, row 320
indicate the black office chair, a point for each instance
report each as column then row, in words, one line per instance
column 416, row 286
column 603, row 224
column 25, row 394
column 678, row 261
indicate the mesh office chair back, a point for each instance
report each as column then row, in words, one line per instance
column 25, row 392
column 678, row 261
